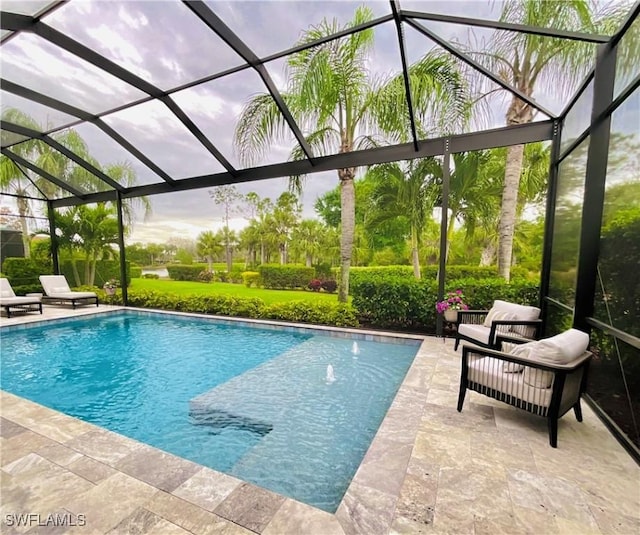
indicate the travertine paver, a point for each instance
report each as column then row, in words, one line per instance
column 488, row 470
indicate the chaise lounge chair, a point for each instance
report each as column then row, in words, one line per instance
column 9, row 300
column 57, row 290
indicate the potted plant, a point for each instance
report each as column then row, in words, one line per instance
column 110, row 286
column 453, row 301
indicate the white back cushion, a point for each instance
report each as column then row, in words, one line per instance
column 5, row 288
column 521, row 312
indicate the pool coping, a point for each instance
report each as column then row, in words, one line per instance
column 370, row 500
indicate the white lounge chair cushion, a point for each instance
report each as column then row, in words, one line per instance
column 479, row 333
column 72, row 295
column 6, row 301
column 5, row 288
column 496, row 314
column 488, row 371
column 60, row 290
column 560, row 349
column 521, row 312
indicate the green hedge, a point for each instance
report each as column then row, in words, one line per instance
column 251, row 278
column 276, row 276
column 398, row 302
column 135, row 271
column 324, row 313
column 23, row 274
column 186, row 272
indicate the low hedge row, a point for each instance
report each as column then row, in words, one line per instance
column 288, row 276
column 185, row 272
column 23, row 274
column 398, row 302
column 337, row 314
column 429, row 272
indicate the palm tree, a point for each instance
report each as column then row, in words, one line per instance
column 404, row 191
column 340, row 108
column 209, row 245
column 97, row 230
column 529, row 62
column 12, row 178
column 307, row 238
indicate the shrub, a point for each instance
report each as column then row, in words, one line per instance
column 409, row 303
column 150, row 276
column 323, row 271
column 23, row 273
column 329, row 286
column 221, row 276
column 135, row 271
column 337, row 314
column 184, row 272
column 205, row 276
column 285, row 276
column 235, row 275
column 251, row 278
column 315, row 285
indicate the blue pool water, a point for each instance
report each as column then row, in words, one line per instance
column 252, row 402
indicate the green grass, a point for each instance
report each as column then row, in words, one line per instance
column 240, row 290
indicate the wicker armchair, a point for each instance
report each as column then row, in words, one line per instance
column 480, row 327
column 546, row 378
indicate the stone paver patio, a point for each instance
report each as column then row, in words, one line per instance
column 430, row 469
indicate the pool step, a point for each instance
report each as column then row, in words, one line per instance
column 219, row 420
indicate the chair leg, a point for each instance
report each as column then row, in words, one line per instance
column 463, row 391
column 577, row 409
column 455, row 346
column 552, row 424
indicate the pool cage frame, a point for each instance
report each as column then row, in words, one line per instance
column 603, row 105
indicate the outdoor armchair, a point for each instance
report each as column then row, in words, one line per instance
column 9, row 300
column 480, row 327
column 545, row 377
column 57, row 290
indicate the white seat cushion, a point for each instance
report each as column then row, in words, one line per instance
column 487, row 371
column 7, row 301
column 72, row 295
column 477, row 332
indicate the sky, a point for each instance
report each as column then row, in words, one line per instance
column 164, row 43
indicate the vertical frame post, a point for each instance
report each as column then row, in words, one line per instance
column 51, row 213
column 594, row 186
column 550, row 213
column 444, row 223
column 123, row 260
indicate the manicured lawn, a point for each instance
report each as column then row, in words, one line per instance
column 240, row 290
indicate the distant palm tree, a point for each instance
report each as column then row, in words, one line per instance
column 341, row 108
column 306, row 239
column 209, row 245
column 529, row 62
column 404, row 189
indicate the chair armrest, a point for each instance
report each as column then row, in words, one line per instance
column 511, row 338
column 532, row 362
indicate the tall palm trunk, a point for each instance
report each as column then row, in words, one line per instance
column 309, row 261
column 518, row 113
column 488, row 254
column 92, row 274
column 23, row 211
column 415, row 254
column 74, row 269
column 87, row 268
column 348, row 221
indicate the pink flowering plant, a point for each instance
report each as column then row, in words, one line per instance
column 452, row 300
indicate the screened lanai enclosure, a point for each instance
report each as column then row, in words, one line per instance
column 191, row 95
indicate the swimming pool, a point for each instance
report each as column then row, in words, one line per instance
column 255, row 402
